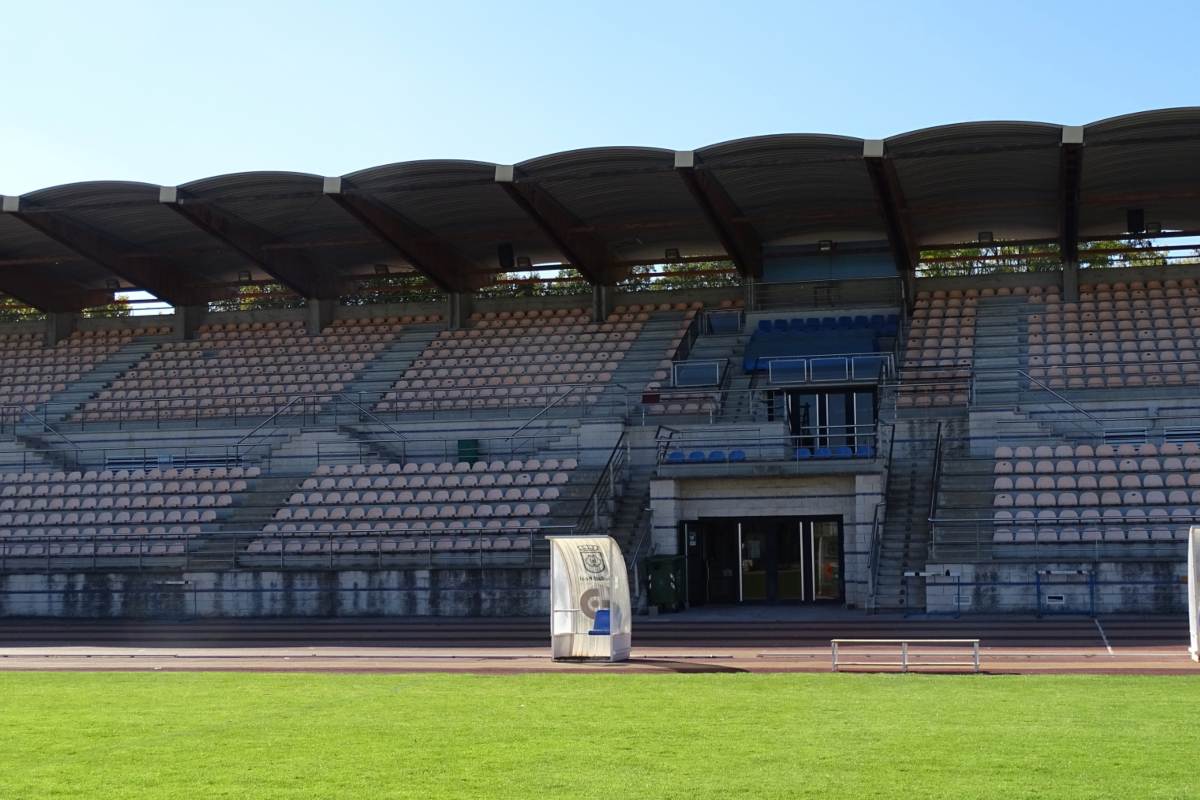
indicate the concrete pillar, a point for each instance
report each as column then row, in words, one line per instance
column 320, row 314
column 187, row 320
column 59, row 325
column 1070, row 282
column 459, row 307
column 748, row 292
column 602, row 302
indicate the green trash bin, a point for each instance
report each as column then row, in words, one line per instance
column 468, row 450
column 665, row 576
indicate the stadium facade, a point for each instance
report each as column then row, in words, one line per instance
column 949, row 371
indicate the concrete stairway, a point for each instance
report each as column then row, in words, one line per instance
column 17, row 456
column 633, row 500
column 68, row 401
column 904, row 543
column 388, row 366
column 641, row 360
column 1001, row 334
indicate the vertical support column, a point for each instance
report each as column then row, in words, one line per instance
column 748, row 287
column 602, row 304
column 1070, row 281
column 187, row 320
column 459, row 307
column 1070, row 178
column 320, row 314
column 59, row 325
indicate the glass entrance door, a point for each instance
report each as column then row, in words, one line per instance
column 826, row 560
column 790, row 559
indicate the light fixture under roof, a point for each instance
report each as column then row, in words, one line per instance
column 244, row 276
column 112, row 284
column 1154, row 228
column 825, row 246
column 986, row 237
column 381, row 269
column 524, row 262
column 672, row 254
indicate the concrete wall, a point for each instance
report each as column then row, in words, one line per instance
column 1153, row 587
column 781, row 268
column 852, row 497
column 442, row 592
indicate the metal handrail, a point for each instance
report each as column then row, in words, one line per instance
column 44, row 424
column 616, row 459
column 549, row 406
column 237, row 447
column 1059, row 397
column 879, row 519
column 362, row 410
column 937, row 472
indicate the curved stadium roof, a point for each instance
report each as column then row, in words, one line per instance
column 601, row 210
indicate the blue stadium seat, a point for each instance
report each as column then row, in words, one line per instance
column 803, row 454
column 716, row 456
column 675, row 457
column 824, row 452
column 764, row 325
column 737, row 456
column 864, row 451
column 796, row 325
column 696, row 457
column 781, row 326
column 862, row 321
column 842, row 451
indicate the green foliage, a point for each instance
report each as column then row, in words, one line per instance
column 119, row 307
column 13, row 310
column 694, row 275
column 254, row 297
column 247, row 736
column 390, row 289
column 988, row 260
column 561, row 283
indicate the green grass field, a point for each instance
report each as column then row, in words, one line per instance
column 160, row 735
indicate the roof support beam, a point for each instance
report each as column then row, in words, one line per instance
column 48, row 295
column 890, row 198
column 738, row 237
column 1070, row 173
column 158, row 276
column 292, row 268
column 585, row 251
column 428, row 254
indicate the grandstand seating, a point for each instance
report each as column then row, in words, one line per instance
column 242, row 369
column 111, row 504
column 1110, row 493
column 809, row 336
column 33, row 373
column 1118, row 335
column 497, row 500
column 940, row 349
column 524, row 358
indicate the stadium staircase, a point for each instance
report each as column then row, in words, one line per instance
column 56, row 411
column 1001, row 337
column 637, row 368
column 387, row 367
column 904, row 542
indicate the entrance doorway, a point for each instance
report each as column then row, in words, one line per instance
column 764, row 560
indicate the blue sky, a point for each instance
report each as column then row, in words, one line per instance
column 166, row 92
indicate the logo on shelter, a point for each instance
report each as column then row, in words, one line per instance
column 592, row 557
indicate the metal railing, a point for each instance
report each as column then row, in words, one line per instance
column 936, row 480
column 878, row 520
column 972, row 539
column 16, row 413
column 362, row 546
column 602, row 500
column 726, row 445
column 908, row 657
column 696, row 374
column 830, row 368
